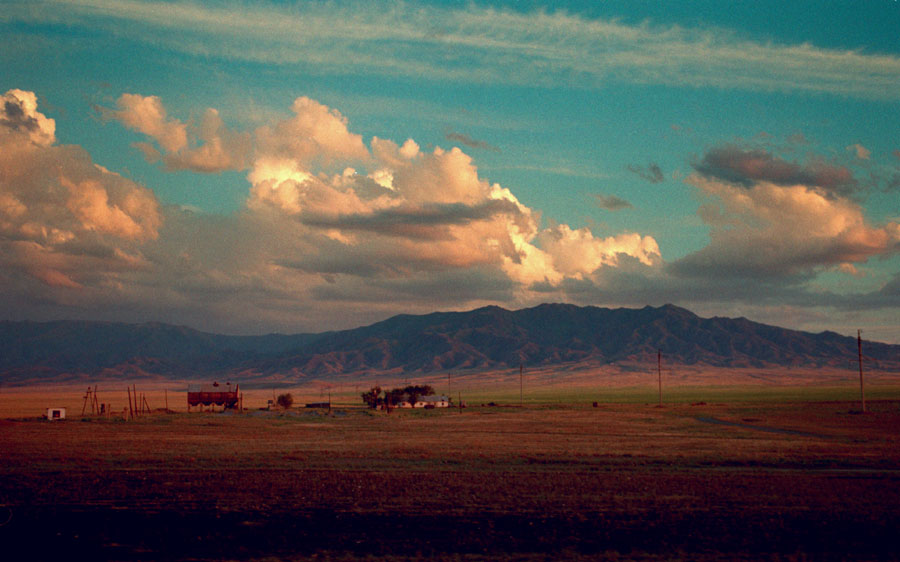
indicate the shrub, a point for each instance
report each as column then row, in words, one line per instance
column 285, row 400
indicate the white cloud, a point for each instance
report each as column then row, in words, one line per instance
column 782, row 231
column 332, row 226
column 412, row 212
column 577, row 253
column 147, row 115
column 315, row 137
column 474, row 44
column 63, row 219
column 19, row 116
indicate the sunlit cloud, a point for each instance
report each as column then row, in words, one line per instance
column 774, row 219
column 313, row 227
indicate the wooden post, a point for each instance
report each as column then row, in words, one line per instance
column 521, row 385
column 130, row 411
column 659, row 374
column 862, row 389
column 166, row 392
column 84, row 404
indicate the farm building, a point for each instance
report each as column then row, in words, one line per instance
column 56, row 414
column 431, row 401
column 225, row 395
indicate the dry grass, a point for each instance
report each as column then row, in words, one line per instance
column 623, row 480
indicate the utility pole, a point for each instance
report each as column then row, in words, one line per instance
column 521, row 385
column 659, row 374
column 862, row 389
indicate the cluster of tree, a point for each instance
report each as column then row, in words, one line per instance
column 375, row 397
column 285, row 400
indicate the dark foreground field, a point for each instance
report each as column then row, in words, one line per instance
column 775, row 481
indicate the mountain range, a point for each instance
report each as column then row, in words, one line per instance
column 487, row 338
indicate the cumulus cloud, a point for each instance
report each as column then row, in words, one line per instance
column 212, row 147
column 19, row 114
column 788, row 232
column 332, row 219
column 147, row 115
column 207, row 146
column 316, row 136
column 652, row 173
column 577, row 253
column 328, row 214
column 65, row 221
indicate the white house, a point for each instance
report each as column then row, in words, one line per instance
column 434, row 401
column 430, row 401
column 56, row 414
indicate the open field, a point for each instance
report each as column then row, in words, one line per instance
column 760, row 478
column 613, row 384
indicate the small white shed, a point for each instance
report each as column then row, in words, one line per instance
column 56, row 414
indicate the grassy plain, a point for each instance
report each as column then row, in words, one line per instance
column 719, row 473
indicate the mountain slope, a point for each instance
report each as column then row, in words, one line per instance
column 485, row 338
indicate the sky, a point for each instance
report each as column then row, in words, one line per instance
column 251, row 167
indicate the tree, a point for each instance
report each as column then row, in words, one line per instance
column 373, row 397
column 285, row 400
column 416, row 391
column 394, row 397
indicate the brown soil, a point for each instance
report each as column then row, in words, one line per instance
column 540, row 483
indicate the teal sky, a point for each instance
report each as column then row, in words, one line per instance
column 241, row 166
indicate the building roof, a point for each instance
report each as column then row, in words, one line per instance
column 213, row 387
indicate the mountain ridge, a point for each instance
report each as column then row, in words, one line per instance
column 485, row 338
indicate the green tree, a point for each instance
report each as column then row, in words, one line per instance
column 373, row 397
column 414, row 392
column 394, row 397
column 285, row 400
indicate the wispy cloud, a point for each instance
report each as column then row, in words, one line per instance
column 468, row 141
column 476, row 44
column 652, row 173
column 611, row 202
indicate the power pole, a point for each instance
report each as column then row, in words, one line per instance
column 521, row 385
column 862, row 389
column 659, row 374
